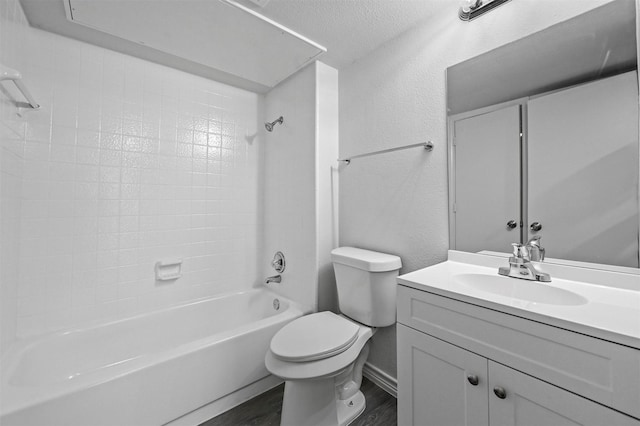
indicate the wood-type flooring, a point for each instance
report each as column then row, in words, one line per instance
column 264, row 409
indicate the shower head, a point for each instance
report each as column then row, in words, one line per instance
column 269, row 126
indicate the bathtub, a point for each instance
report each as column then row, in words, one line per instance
column 146, row 370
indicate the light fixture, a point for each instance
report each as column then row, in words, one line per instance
column 471, row 9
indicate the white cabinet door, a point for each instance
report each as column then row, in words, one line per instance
column 487, row 180
column 532, row 402
column 583, row 171
column 435, row 382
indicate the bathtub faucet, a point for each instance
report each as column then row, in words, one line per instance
column 273, row 279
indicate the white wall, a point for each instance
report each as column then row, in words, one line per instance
column 297, row 182
column 327, row 182
column 127, row 162
column 397, row 203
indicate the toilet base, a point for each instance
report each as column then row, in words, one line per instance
column 314, row 403
column 350, row 409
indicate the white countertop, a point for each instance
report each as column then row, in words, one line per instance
column 611, row 310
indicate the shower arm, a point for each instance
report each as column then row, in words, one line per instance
column 270, row 125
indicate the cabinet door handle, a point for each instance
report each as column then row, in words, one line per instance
column 473, row 379
column 500, row 392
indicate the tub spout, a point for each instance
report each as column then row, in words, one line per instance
column 273, row 279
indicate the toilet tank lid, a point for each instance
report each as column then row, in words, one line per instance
column 366, row 260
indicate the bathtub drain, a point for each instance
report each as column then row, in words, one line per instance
column 276, row 304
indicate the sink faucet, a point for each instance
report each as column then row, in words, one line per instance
column 273, row 279
column 536, row 251
column 520, row 265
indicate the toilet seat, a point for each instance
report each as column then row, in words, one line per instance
column 314, row 337
column 321, row 368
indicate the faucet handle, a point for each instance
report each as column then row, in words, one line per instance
column 278, row 263
column 534, row 241
column 535, row 249
column 520, row 251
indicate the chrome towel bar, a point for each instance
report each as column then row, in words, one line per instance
column 7, row 73
column 426, row 145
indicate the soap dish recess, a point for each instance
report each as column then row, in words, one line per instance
column 168, row 269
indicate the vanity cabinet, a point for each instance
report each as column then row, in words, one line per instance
column 462, row 364
column 439, row 383
column 529, row 401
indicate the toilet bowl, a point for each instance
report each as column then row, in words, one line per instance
column 322, row 375
column 321, row 356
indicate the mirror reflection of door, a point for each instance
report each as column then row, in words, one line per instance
column 583, row 171
column 487, row 197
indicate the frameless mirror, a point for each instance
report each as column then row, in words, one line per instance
column 543, row 141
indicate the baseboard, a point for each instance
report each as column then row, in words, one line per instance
column 382, row 379
column 226, row 403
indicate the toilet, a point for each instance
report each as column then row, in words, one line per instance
column 320, row 356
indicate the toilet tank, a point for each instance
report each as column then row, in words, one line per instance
column 366, row 283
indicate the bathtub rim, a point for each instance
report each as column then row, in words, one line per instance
column 20, row 342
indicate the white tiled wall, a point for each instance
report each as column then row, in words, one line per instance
column 12, row 29
column 126, row 163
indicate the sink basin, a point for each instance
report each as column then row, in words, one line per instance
column 529, row 291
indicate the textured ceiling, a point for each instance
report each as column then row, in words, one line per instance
column 350, row 29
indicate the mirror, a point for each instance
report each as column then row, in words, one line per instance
column 543, row 141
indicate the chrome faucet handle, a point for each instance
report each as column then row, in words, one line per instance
column 520, row 251
column 278, row 263
column 275, row 264
column 536, row 251
column 534, row 241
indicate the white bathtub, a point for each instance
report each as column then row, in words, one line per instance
column 145, row 370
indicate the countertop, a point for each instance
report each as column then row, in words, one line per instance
column 610, row 312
